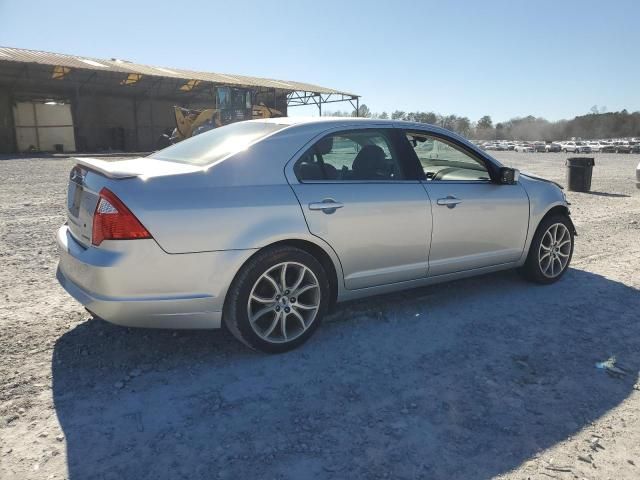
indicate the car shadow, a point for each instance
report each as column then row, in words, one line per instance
column 608, row 194
column 462, row 380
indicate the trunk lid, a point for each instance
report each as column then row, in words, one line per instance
column 90, row 175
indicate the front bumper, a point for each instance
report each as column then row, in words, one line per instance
column 135, row 283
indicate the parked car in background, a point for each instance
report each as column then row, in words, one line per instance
column 595, row 146
column 539, row 147
column 607, row 147
column 575, row 147
column 263, row 225
column 524, row 147
column 622, row 147
column 635, row 147
column 582, row 147
column 553, row 147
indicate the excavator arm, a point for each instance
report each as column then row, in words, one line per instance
column 187, row 121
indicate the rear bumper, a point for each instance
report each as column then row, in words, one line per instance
column 155, row 313
column 137, row 284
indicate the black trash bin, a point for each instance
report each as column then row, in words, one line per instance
column 579, row 171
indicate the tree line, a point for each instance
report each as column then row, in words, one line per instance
column 596, row 124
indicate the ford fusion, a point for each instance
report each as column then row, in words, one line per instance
column 264, row 225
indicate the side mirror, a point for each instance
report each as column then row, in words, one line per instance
column 508, row 176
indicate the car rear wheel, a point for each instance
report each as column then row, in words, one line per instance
column 277, row 300
column 551, row 250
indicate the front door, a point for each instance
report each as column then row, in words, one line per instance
column 476, row 222
column 358, row 197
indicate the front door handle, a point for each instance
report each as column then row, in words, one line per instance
column 450, row 201
column 328, row 205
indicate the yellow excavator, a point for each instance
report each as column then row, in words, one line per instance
column 190, row 122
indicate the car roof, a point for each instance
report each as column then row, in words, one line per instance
column 322, row 120
column 331, row 122
column 311, row 126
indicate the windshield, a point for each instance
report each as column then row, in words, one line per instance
column 216, row 144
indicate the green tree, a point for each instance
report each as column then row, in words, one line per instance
column 363, row 111
column 463, row 126
column 398, row 115
column 429, row 117
column 485, row 123
column 449, row 122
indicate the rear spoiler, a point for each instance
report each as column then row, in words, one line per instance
column 114, row 170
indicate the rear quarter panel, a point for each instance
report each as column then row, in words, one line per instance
column 243, row 202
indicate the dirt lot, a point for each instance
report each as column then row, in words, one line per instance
column 481, row 378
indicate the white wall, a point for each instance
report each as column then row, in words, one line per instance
column 41, row 127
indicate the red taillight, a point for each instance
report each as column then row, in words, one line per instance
column 112, row 220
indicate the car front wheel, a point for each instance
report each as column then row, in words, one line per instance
column 277, row 300
column 551, row 250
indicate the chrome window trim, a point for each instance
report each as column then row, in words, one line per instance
column 356, row 182
column 460, row 182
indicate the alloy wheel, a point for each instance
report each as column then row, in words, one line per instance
column 555, row 250
column 284, row 302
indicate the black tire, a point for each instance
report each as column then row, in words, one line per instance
column 236, row 315
column 532, row 270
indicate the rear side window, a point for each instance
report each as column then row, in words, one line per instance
column 216, row 144
column 350, row 156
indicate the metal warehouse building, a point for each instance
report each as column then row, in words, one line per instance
column 59, row 102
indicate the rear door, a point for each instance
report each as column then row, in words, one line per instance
column 476, row 222
column 358, row 196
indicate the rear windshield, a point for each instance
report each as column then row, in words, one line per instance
column 214, row 145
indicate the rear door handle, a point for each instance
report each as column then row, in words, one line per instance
column 328, row 205
column 450, row 201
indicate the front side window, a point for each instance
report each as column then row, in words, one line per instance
column 445, row 161
column 350, row 156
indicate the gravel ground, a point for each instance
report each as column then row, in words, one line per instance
column 489, row 377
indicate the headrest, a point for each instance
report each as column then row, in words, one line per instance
column 324, row 146
column 369, row 159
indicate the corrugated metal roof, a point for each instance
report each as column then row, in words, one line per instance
column 8, row 54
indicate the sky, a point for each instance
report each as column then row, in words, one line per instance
column 553, row 59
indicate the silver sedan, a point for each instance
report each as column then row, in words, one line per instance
column 265, row 225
